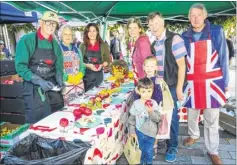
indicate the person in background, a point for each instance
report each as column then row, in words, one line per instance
column 115, row 45
column 144, row 119
column 74, row 68
column 231, row 49
column 39, row 62
column 207, row 78
column 170, row 51
column 95, row 54
column 142, row 47
column 4, row 52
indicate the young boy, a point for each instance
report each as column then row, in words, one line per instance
column 144, row 119
column 150, row 67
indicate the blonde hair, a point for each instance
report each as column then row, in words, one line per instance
column 150, row 58
column 136, row 21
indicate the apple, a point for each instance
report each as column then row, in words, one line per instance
column 10, row 82
column 97, row 66
column 91, row 102
column 77, row 113
column 63, row 122
column 149, row 103
column 98, row 99
column 98, row 104
column 106, row 105
column 83, row 105
column 82, row 108
column 87, row 111
column 106, row 95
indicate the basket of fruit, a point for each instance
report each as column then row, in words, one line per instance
column 10, row 133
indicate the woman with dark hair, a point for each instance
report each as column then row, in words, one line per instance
column 95, row 54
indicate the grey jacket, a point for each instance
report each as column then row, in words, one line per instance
column 145, row 122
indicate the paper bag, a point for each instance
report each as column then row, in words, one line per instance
column 132, row 151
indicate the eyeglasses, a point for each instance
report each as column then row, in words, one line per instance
column 51, row 23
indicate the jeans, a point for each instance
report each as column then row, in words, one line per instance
column 146, row 144
column 174, row 128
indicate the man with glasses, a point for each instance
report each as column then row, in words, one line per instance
column 39, row 62
column 170, row 52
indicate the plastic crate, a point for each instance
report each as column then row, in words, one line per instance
column 13, row 137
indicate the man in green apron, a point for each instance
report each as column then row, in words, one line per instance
column 39, row 62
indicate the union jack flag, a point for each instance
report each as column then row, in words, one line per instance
column 205, row 81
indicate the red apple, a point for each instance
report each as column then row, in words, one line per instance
column 97, row 66
column 87, row 111
column 63, row 122
column 82, row 109
column 106, row 105
column 77, row 113
column 106, row 95
column 149, row 103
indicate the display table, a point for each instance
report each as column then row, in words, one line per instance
column 107, row 138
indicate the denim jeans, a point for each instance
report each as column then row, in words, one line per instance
column 146, row 144
column 174, row 128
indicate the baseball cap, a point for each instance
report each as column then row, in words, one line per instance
column 1, row 42
column 50, row 16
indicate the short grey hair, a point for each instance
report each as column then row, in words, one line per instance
column 60, row 31
column 198, row 6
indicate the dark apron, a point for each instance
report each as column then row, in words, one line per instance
column 92, row 78
column 38, row 103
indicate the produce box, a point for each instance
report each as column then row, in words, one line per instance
column 11, row 133
column 3, row 151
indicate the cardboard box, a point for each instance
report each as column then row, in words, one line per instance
column 13, row 137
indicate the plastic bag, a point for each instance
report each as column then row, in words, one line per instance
column 132, row 151
column 34, row 149
column 166, row 112
column 164, row 127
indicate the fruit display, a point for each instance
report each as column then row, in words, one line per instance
column 6, row 131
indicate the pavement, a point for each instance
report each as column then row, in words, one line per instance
column 197, row 154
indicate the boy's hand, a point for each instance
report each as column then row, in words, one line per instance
column 149, row 109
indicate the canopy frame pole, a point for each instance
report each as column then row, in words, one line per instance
column 221, row 12
column 233, row 4
column 109, row 11
column 46, row 7
column 103, row 28
column 74, row 11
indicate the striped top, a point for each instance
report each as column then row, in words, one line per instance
column 178, row 49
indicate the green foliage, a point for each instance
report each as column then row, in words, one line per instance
column 28, row 27
column 228, row 23
column 80, row 29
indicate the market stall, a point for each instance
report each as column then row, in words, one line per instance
column 104, row 129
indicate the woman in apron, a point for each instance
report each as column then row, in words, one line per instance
column 95, row 56
column 74, row 68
